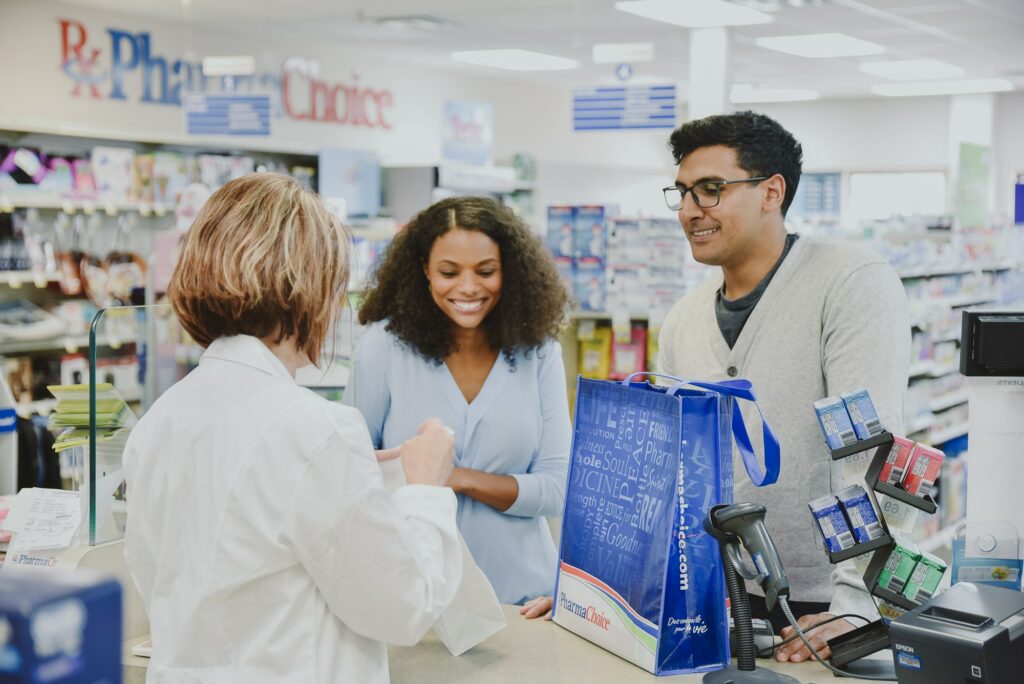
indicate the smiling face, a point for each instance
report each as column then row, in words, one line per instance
column 735, row 230
column 464, row 272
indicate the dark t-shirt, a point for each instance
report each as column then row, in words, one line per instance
column 732, row 314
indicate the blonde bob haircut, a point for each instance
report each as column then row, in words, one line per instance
column 266, row 258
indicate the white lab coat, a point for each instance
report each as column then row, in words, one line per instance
column 262, row 540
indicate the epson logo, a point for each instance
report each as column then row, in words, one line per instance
column 901, row 647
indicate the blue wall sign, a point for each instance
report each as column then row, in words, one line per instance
column 227, row 114
column 624, row 107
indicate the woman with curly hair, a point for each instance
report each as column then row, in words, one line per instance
column 463, row 312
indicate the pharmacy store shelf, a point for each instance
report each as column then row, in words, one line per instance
column 72, row 206
column 942, row 371
column 950, row 336
column 602, row 315
column 967, row 300
column 920, row 423
column 68, row 343
column 15, row 279
column 919, row 368
column 943, row 435
column 956, row 270
column 948, row 401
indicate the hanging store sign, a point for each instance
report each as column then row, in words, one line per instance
column 624, row 107
column 123, row 65
column 227, row 114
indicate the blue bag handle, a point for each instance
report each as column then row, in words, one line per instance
column 740, row 389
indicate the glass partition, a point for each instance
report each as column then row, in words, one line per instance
column 135, row 354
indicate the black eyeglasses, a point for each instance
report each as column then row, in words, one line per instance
column 706, row 195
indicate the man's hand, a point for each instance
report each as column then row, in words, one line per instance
column 796, row 652
column 537, row 607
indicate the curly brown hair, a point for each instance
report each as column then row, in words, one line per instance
column 533, row 299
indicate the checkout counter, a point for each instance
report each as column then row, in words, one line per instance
column 535, row 651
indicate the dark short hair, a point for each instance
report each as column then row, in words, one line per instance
column 532, row 301
column 763, row 147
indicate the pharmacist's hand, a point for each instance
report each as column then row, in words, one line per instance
column 537, row 607
column 389, row 454
column 796, row 652
column 428, row 458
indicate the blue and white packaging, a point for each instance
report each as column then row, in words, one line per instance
column 860, row 513
column 561, row 237
column 862, row 413
column 59, row 627
column 590, row 231
column 832, row 523
column 590, row 285
column 566, row 269
column 835, row 422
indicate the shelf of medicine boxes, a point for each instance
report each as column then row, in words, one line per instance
column 571, row 344
column 926, row 425
column 85, row 206
column 881, row 443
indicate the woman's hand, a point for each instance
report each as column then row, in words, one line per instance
column 428, row 458
column 497, row 491
column 537, row 607
column 389, row 454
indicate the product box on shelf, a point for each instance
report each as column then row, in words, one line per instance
column 923, row 469
column 113, row 170
column 561, row 231
column 832, row 524
column 629, row 357
column 589, row 283
column 595, row 354
column 589, row 231
column 169, row 177
column 860, row 513
column 925, row 579
column 627, row 288
column 900, row 565
column 566, row 269
column 835, row 422
column 896, row 462
column 862, row 413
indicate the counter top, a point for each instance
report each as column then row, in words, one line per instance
column 533, row 651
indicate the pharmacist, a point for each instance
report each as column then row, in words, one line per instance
column 262, row 540
column 800, row 317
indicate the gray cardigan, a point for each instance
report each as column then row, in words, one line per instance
column 834, row 318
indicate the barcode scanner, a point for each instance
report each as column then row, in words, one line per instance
column 732, row 525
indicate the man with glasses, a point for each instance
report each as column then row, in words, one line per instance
column 802, row 318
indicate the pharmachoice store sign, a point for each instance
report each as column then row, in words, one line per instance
column 122, row 65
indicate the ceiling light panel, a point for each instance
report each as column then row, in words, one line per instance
column 619, row 53
column 912, row 69
column 956, row 87
column 515, row 60
column 746, row 94
column 821, row 45
column 694, row 13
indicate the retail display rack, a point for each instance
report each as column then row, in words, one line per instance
column 874, row 636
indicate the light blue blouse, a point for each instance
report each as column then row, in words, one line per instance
column 517, row 425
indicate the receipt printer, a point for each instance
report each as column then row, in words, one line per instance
column 969, row 633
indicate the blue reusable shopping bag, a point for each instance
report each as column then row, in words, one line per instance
column 637, row 574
